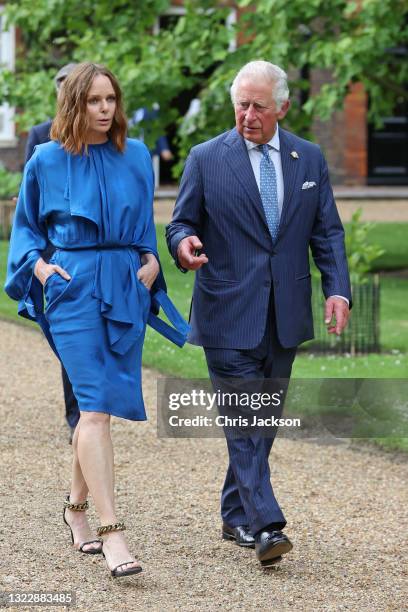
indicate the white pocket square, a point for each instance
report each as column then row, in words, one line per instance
column 308, row 184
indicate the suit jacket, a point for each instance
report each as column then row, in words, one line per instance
column 219, row 201
column 39, row 134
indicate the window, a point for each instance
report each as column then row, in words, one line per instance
column 7, row 54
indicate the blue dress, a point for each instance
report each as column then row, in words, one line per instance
column 97, row 210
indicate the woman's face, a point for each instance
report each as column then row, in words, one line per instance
column 100, row 108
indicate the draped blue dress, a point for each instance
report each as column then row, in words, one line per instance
column 97, row 210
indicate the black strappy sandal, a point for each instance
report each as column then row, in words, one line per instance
column 116, row 573
column 80, row 508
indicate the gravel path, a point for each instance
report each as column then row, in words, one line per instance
column 346, row 512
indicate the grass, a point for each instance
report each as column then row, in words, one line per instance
column 393, row 238
column 8, row 308
column 393, row 313
column 189, row 361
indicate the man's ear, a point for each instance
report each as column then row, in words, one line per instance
column 284, row 109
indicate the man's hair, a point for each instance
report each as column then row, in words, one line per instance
column 62, row 74
column 70, row 125
column 260, row 70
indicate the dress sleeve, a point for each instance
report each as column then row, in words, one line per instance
column 28, row 240
column 159, row 282
column 148, row 242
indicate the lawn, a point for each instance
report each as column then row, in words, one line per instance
column 393, row 238
column 189, row 361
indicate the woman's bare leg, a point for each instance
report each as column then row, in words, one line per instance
column 95, row 455
column 78, row 521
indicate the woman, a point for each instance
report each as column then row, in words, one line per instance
column 89, row 192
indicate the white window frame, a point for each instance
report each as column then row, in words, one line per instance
column 172, row 10
column 231, row 21
column 7, row 60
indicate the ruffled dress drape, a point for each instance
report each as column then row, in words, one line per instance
column 96, row 209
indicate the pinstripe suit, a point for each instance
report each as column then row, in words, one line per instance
column 254, row 295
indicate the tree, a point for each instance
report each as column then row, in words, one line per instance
column 360, row 41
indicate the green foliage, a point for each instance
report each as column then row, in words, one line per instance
column 351, row 40
column 9, row 183
column 361, row 252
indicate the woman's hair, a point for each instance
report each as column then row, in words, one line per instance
column 70, row 125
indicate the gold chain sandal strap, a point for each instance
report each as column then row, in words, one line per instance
column 108, row 528
column 76, row 507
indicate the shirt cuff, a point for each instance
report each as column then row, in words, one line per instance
column 342, row 298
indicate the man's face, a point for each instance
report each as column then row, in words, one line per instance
column 255, row 111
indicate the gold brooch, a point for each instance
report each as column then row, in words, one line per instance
column 294, row 155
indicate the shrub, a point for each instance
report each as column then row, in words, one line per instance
column 9, row 183
column 360, row 252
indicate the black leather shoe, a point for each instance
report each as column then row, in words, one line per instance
column 240, row 535
column 270, row 545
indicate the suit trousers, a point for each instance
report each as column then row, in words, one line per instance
column 247, row 496
column 71, row 405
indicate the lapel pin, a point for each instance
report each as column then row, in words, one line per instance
column 294, row 155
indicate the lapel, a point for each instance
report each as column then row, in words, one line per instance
column 290, row 167
column 236, row 156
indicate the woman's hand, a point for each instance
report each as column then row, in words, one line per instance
column 147, row 274
column 42, row 271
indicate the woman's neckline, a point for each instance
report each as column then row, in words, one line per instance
column 98, row 144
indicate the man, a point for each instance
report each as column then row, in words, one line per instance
column 41, row 133
column 254, row 199
column 161, row 146
column 38, row 135
column 161, row 149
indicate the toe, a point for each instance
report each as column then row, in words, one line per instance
column 125, row 566
column 91, row 546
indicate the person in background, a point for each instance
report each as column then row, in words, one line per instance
column 39, row 134
column 161, row 149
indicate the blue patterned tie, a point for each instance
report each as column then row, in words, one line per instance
column 269, row 191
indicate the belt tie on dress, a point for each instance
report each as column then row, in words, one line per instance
column 122, row 296
column 116, row 285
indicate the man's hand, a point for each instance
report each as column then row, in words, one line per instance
column 337, row 308
column 148, row 272
column 43, row 271
column 166, row 155
column 186, row 250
